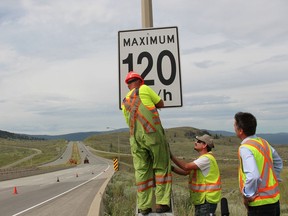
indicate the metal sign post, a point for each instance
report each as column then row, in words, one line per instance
column 147, row 16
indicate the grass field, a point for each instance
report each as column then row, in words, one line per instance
column 13, row 150
column 9, row 154
column 181, row 142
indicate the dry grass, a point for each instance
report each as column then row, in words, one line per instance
column 18, row 149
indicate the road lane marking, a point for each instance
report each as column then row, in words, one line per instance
column 39, row 204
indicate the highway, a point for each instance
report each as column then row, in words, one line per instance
column 73, row 192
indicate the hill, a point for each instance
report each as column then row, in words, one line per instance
column 79, row 136
column 277, row 138
column 71, row 136
column 9, row 135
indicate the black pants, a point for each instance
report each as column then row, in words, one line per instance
column 205, row 209
column 265, row 210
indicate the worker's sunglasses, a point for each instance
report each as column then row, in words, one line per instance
column 199, row 141
column 131, row 81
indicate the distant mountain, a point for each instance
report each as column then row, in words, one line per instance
column 9, row 135
column 277, row 138
column 77, row 136
column 219, row 132
column 71, row 137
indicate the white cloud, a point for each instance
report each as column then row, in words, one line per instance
column 59, row 66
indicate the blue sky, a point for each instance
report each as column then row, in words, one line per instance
column 59, row 63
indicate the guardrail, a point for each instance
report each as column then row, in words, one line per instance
column 13, row 173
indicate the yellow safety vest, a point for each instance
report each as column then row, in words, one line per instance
column 206, row 188
column 268, row 189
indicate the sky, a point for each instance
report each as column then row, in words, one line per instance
column 59, row 63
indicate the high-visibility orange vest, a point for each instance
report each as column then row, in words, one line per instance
column 206, row 188
column 148, row 117
column 268, row 189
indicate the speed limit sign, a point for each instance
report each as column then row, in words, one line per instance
column 154, row 54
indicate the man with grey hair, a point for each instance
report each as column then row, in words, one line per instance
column 204, row 178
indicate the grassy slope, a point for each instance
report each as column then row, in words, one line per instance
column 12, row 150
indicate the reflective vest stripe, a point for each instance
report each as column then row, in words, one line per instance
column 264, row 151
column 156, row 120
column 267, row 196
column 141, row 186
column 153, row 110
column 134, row 108
column 268, row 159
column 132, row 105
column 206, row 187
column 163, row 179
column 145, row 123
column 201, row 187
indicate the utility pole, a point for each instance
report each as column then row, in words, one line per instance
column 147, row 16
column 118, row 142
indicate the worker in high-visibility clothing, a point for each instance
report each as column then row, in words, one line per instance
column 149, row 147
column 259, row 169
column 204, row 177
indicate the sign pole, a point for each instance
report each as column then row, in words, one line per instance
column 147, row 16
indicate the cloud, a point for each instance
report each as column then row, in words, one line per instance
column 59, row 63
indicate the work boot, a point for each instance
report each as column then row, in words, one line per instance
column 162, row 208
column 145, row 211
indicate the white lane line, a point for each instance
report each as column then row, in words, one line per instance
column 61, row 193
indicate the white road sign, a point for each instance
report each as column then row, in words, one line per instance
column 154, row 54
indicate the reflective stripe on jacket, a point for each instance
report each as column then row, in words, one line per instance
column 147, row 117
column 206, row 188
column 268, row 189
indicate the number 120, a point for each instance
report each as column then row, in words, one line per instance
column 129, row 61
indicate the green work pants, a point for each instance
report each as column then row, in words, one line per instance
column 151, row 159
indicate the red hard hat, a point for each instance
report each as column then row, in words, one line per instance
column 133, row 75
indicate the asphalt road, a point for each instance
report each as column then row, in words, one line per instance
column 69, row 192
